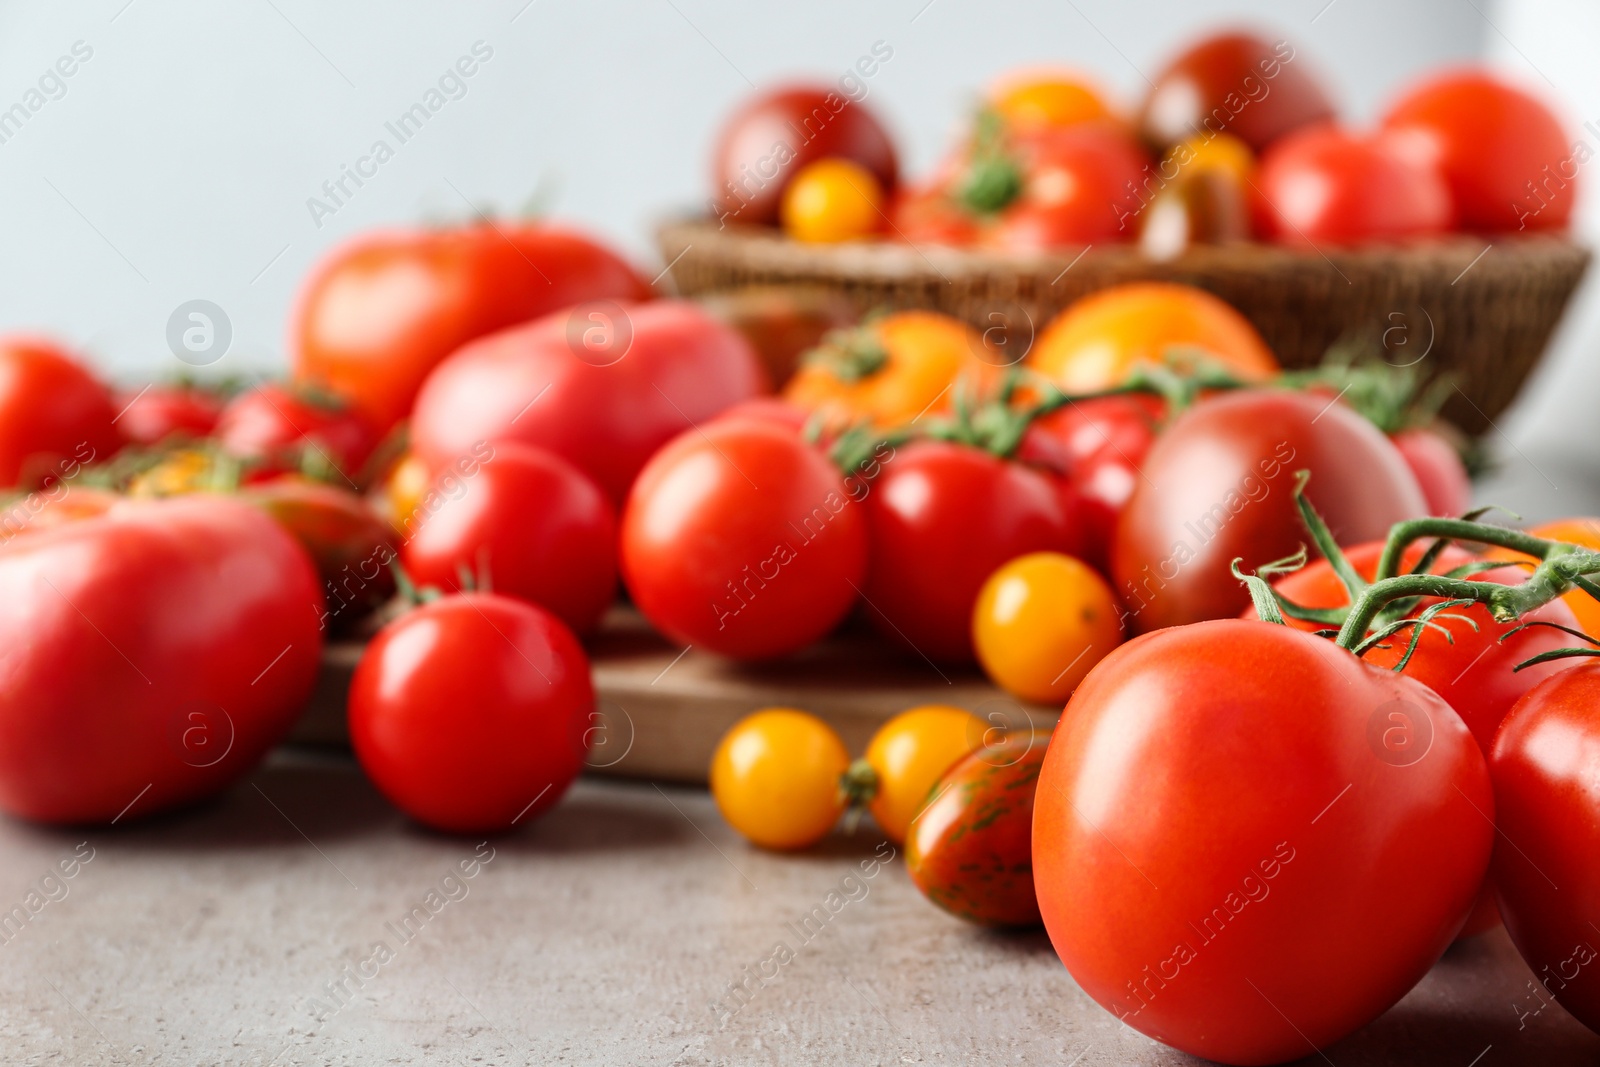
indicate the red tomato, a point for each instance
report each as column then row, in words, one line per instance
column 152, row 656
column 775, row 134
column 1079, row 188
column 931, row 216
column 1218, row 485
column 54, row 415
column 1220, row 846
column 532, row 525
column 1104, row 441
column 377, row 314
column 471, row 713
column 152, row 415
column 601, row 389
column 1503, row 153
column 1439, row 470
column 1547, row 808
column 287, row 430
column 1327, row 185
column 942, row 517
column 742, row 540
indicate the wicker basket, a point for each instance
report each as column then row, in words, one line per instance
column 1480, row 311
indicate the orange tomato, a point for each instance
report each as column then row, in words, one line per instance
column 1221, row 152
column 1048, row 98
column 1098, row 340
column 399, row 498
column 1041, row 622
column 1583, row 532
column 910, row 753
column 832, row 200
column 776, row 778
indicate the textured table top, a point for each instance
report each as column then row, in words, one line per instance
column 612, row 931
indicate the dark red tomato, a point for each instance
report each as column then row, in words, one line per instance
column 1547, row 855
column 1235, row 83
column 286, row 430
column 152, row 415
column 1325, row 185
column 1218, row 485
column 1079, row 187
column 1503, row 153
column 54, row 414
column 532, row 526
column 601, row 388
column 931, row 216
column 377, row 314
column 1104, row 442
column 471, row 713
column 775, row 134
column 1220, row 846
column 941, row 518
column 153, row 655
column 742, row 540
column 1438, row 468
column 970, row 850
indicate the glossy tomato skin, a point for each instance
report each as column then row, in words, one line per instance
column 1490, row 140
column 152, row 415
column 1078, row 189
column 1332, row 879
column 1218, row 485
column 165, row 644
column 942, row 517
column 53, row 412
column 603, row 389
column 1324, row 184
column 471, row 713
column 741, row 539
column 971, row 848
column 776, row 134
column 279, row 428
column 1104, row 441
column 1547, row 807
column 533, row 526
column 1439, row 470
column 377, row 314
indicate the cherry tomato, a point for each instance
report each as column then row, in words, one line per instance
column 1077, row 189
column 377, row 314
column 471, row 713
column 742, row 540
column 971, row 849
column 1502, row 152
column 1030, row 100
column 533, row 526
column 285, row 429
column 1220, row 846
column 1100, row 338
column 399, row 496
column 1324, row 184
column 1582, row 532
column 601, row 387
column 776, row 134
column 54, row 414
column 942, row 517
column 152, row 415
column 153, row 654
column 1218, row 486
column 776, row 778
column 909, row 754
column 1547, row 809
column 832, row 200
column 1438, row 469
column 1041, row 622
column 930, row 215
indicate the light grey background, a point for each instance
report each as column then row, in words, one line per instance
column 179, row 161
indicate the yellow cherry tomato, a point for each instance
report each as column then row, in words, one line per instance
column 775, row 777
column 1583, row 532
column 1052, row 99
column 1041, row 622
column 832, row 200
column 400, row 496
column 910, row 753
column 1219, row 152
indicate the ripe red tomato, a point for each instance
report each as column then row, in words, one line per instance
column 532, row 525
column 1547, row 808
column 775, row 134
column 377, row 314
column 471, row 713
column 54, row 414
column 288, row 430
column 930, row 215
column 742, row 540
column 1078, row 188
column 602, row 389
column 1502, row 152
column 1438, row 468
column 941, row 518
column 152, row 415
column 1218, row 485
column 1104, row 442
column 152, row 656
column 1327, row 185
column 1220, row 846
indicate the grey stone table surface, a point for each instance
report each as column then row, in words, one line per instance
column 612, row 931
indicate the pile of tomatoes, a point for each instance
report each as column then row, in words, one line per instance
column 1236, row 139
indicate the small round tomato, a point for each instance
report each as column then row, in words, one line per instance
column 832, row 200
column 776, row 778
column 1582, row 532
column 471, row 713
column 1077, row 188
column 152, row 415
column 1439, row 470
column 1099, row 339
column 399, row 496
column 288, row 429
column 971, row 849
column 930, row 215
column 1041, row 622
column 54, row 415
column 1029, row 100
column 909, row 754
column 527, row 524
column 741, row 539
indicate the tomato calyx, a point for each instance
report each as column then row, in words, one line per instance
column 850, row 355
column 858, row 785
column 993, row 177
